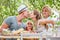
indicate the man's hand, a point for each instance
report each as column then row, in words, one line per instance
column 18, row 31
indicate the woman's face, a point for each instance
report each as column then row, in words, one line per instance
column 45, row 12
column 29, row 26
column 32, row 16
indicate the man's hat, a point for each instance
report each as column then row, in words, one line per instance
column 22, row 8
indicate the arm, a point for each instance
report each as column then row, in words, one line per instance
column 4, row 25
column 50, row 21
column 45, row 21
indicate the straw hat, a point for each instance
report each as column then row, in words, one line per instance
column 21, row 8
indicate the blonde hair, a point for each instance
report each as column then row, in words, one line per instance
column 29, row 21
column 48, row 7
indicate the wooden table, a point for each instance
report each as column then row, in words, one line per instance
column 31, row 36
column 25, row 36
column 18, row 37
column 53, row 38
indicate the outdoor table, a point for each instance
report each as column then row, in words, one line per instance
column 24, row 36
column 31, row 35
column 27, row 36
column 53, row 38
column 18, row 37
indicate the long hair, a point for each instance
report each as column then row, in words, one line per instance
column 38, row 15
column 29, row 22
column 48, row 9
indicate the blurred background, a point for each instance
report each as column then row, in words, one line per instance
column 9, row 7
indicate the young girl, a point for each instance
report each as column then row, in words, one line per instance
column 29, row 27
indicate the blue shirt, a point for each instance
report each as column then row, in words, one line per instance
column 13, row 24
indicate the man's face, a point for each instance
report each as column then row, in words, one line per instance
column 26, row 14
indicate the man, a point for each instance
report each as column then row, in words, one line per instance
column 15, row 22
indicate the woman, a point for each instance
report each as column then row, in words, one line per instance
column 35, row 16
column 46, row 20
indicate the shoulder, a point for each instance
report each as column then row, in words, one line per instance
column 11, row 17
column 8, row 20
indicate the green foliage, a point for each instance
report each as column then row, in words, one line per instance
column 58, row 22
column 9, row 7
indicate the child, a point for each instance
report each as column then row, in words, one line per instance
column 29, row 27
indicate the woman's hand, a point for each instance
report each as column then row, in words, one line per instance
column 45, row 21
